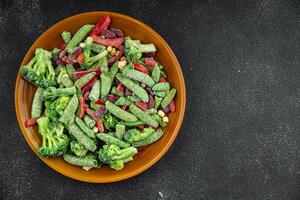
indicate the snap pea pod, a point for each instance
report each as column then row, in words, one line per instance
column 134, row 135
column 113, row 70
column 89, row 121
column 151, row 111
column 89, row 132
column 157, row 101
column 138, row 90
column 66, row 36
column 103, row 64
column 79, row 36
column 155, row 75
column 120, row 113
column 159, row 93
column 159, row 120
column 55, row 52
column 161, row 86
column 87, row 161
column 106, row 83
column 123, row 101
column 113, row 91
column 138, row 76
column 51, row 92
column 163, row 74
column 112, row 140
column 84, row 80
column 82, row 138
column 95, row 91
column 37, row 103
column 70, row 71
column 97, row 48
column 149, row 140
column 143, row 116
column 133, row 98
column 168, row 98
column 70, row 110
column 132, row 124
column 120, row 130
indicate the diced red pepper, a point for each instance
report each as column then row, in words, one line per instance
column 140, row 149
column 100, row 126
column 99, row 102
column 151, row 102
column 150, row 54
column 89, row 85
column 63, row 46
column 120, row 88
column 82, row 102
column 124, row 107
column 80, row 58
column 30, row 122
column 162, row 80
column 117, row 57
column 112, row 98
column 150, row 62
column 140, row 68
column 141, row 105
column 90, row 112
column 141, row 127
column 101, row 25
column 172, row 106
column 108, row 42
column 80, row 74
column 87, row 95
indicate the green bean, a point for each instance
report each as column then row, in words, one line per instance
column 134, row 135
column 84, row 80
column 159, row 93
column 138, row 76
column 123, row 101
column 119, row 112
column 160, row 66
column 70, row 71
column 161, row 86
column 113, row 91
column 149, row 140
column 151, row 111
column 112, row 140
column 157, row 101
column 97, row 48
column 94, row 106
column 163, row 74
column 106, row 83
column 66, row 36
column 113, row 70
column 128, row 66
column 37, row 103
column 89, row 132
column 138, row 90
column 70, row 110
column 143, row 116
column 79, row 36
column 133, row 98
column 168, row 98
column 89, row 121
column 95, row 91
column 159, row 120
column 87, row 161
column 103, row 64
column 155, row 75
column 120, row 130
column 132, row 124
column 82, row 138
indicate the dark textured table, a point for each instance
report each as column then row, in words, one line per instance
column 240, row 137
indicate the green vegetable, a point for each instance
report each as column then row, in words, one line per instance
column 168, row 98
column 51, row 92
column 149, row 140
column 84, row 80
column 155, row 75
column 159, row 120
column 63, row 77
column 56, row 108
column 113, row 91
column 133, row 98
column 87, row 161
column 39, row 71
column 54, row 141
column 163, row 75
column 119, row 164
column 97, row 48
column 112, row 140
column 89, row 132
column 143, row 116
column 89, row 121
column 103, row 64
column 134, row 135
column 55, row 52
column 134, row 49
column 66, row 36
column 132, row 124
column 120, row 113
column 79, row 36
column 138, row 76
column 70, row 71
column 113, row 70
column 78, row 149
column 123, row 101
column 95, row 92
column 159, row 93
column 161, row 86
column 83, row 139
column 70, row 110
column 151, row 111
column 91, row 60
column 94, row 106
column 37, row 103
column 157, row 101
column 138, row 90
column 120, row 130
column 110, row 121
column 106, row 84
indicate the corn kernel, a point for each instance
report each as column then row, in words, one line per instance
column 122, row 58
column 161, row 113
column 82, row 45
column 143, row 85
column 122, row 64
column 109, row 48
column 113, row 51
column 166, row 119
column 103, row 36
column 117, row 52
column 95, row 129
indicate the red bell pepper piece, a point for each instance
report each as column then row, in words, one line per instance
column 63, row 46
column 99, row 102
column 120, row 88
column 141, row 127
column 140, row 149
column 150, row 62
column 108, row 42
column 82, row 102
column 30, row 122
column 117, row 57
column 80, row 74
column 172, row 106
column 89, row 85
column 140, row 68
column 101, row 25
column 100, row 126
column 161, row 80
column 150, row 54
column 90, row 112
column 87, row 95
column 80, row 58
column 141, row 105
column 124, row 107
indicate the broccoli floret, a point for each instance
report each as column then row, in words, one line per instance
column 78, row 149
column 110, row 121
column 54, row 141
column 134, row 49
column 89, row 61
column 39, row 71
column 56, row 108
column 51, row 92
column 116, row 157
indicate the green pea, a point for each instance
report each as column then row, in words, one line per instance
column 168, row 98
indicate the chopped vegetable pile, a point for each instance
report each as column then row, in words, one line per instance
column 100, row 99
